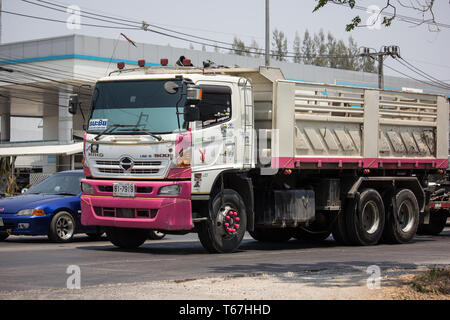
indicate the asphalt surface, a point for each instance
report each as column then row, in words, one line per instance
column 34, row 263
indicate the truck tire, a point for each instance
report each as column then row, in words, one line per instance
column 312, row 236
column 3, row 236
column 402, row 223
column 437, row 223
column 339, row 229
column 365, row 224
column 62, row 227
column 224, row 231
column 127, row 238
column 271, row 235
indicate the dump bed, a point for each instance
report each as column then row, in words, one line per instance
column 327, row 126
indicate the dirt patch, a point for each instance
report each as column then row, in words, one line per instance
column 433, row 284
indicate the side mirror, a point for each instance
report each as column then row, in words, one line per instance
column 24, row 190
column 191, row 114
column 73, row 103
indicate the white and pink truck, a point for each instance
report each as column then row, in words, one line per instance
column 223, row 151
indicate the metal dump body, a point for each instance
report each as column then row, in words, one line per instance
column 337, row 126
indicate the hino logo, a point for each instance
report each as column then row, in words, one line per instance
column 126, row 164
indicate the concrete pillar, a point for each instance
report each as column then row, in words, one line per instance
column 5, row 128
column 65, row 121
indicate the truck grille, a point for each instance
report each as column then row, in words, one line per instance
column 136, row 163
column 133, row 171
column 139, row 168
column 130, row 213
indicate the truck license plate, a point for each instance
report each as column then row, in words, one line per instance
column 123, row 189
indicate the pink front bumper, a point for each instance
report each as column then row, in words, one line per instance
column 167, row 212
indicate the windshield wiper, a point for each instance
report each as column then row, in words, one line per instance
column 147, row 132
column 108, row 130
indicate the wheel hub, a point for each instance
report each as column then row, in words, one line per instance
column 228, row 221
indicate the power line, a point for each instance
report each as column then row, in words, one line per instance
column 420, row 72
column 61, row 21
column 144, row 26
column 415, row 79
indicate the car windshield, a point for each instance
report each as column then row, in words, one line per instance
column 65, row 184
column 142, row 104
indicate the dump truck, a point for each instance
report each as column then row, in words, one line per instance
column 222, row 151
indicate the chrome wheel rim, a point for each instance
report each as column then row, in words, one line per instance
column 64, row 227
column 370, row 217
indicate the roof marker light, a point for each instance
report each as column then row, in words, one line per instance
column 164, row 62
column 141, row 63
column 120, row 65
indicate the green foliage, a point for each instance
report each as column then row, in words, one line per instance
column 280, row 45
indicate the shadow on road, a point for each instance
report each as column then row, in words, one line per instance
column 194, row 247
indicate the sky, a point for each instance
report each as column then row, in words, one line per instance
column 225, row 20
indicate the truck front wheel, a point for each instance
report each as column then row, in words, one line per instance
column 127, row 238
column 224, row 231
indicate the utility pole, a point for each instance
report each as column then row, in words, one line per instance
column 393, row 51
column 267, row 35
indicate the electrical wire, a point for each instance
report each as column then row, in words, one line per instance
column 420, row 72
column 415, row 79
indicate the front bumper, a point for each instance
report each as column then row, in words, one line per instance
column 145, row 210
column 25, row 225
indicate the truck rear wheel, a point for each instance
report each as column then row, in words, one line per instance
column 403, row 218
column 339, row 229
column 437, row 223
column 271, row 235
column 224, row 231
column 127, row 238
column 365, row 223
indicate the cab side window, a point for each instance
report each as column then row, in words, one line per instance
column 215, row 106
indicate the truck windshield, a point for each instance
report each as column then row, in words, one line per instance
column 144, row 104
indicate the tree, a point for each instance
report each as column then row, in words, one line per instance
column 424, row 7
column 280, row 45
column 297, row 49
column 321, row 50
column 239, row 47
column 255, row 49
column 308, row 49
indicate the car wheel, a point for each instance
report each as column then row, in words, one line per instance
column 62, row 227
column 156, row 235
column 3, row 236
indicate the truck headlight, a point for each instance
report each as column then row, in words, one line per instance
column 87, row 188
column 171, row 190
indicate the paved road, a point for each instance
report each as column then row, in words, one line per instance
column 34, row 263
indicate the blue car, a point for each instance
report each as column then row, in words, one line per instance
column 50, row 208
